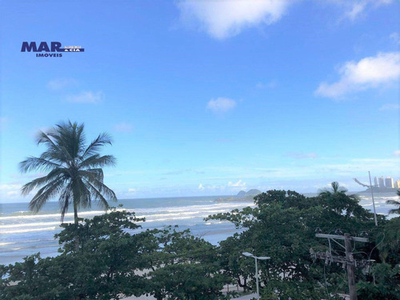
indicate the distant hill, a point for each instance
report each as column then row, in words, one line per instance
column 241, row 196
column 251, row 192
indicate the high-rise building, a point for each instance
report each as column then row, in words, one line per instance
column 376, row 184
column 389, row 182
column 397, row 184
column 381, row 182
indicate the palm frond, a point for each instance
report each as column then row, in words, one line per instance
column 37, row 163
column 334, row 189
column 56, row 155
column 92, row 174
column 70, row 137
column 55, row 150
column 53, row 175
column 98, row 194
column 45, row 137
column 65, row 200
column 84, row 199
column 28, row 187
column 101, row 188
column 75, row 172
column 45, row 193
column 394, row 211
column 95, row 145
column 109, row 193
column 98, row 161
column 393, row 202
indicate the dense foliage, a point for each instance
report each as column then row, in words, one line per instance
column 283, row 224
column 116, row 258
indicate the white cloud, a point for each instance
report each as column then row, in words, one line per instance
column 123, row 127
column 131, row 190
column 10, row 187
column 271, row 84
column 210, row 187
column 355, row 8
column 301, row 155
column 390, row 106
column 395, row 37
column 239, row 183
column 225, row 18
column 370, row 72
column 87, row 97
column 10, row 191
column 221, row 105
column 396, row 153
column 61, row 83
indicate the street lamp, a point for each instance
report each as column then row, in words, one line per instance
column 255, row 259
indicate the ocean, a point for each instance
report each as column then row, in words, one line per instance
column 24, row 233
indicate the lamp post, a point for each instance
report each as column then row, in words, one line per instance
column 255, row 259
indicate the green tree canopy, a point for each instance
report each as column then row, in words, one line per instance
column 282, row 225
column 184, row 267
column 104, row 266
column 116, row 259
column 395, row 203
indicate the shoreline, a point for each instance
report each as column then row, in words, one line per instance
column 187, row 215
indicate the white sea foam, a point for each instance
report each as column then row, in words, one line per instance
column 168, row 219
column 28, row 225
column 28, row 230
column 51, row 215
column 173, row 215
column 24, row 233
column 225, row 206
column 5, row 244
column 35, row 232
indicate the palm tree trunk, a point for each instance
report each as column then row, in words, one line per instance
column 76, row 226
column 75, row 214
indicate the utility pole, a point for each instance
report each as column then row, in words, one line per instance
column 347, row 261
column 373, row 200
column 351, row 268
column 372, row 194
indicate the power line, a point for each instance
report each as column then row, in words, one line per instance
column 347, row 261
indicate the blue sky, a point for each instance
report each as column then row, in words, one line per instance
column 208, row 97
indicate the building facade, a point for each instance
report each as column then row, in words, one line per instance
column 397, row 184
column 389, row 182
column 381, row 182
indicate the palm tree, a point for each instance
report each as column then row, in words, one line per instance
column 338, row 201
column 74, row 170
column 396, row 203
column 335, row 189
